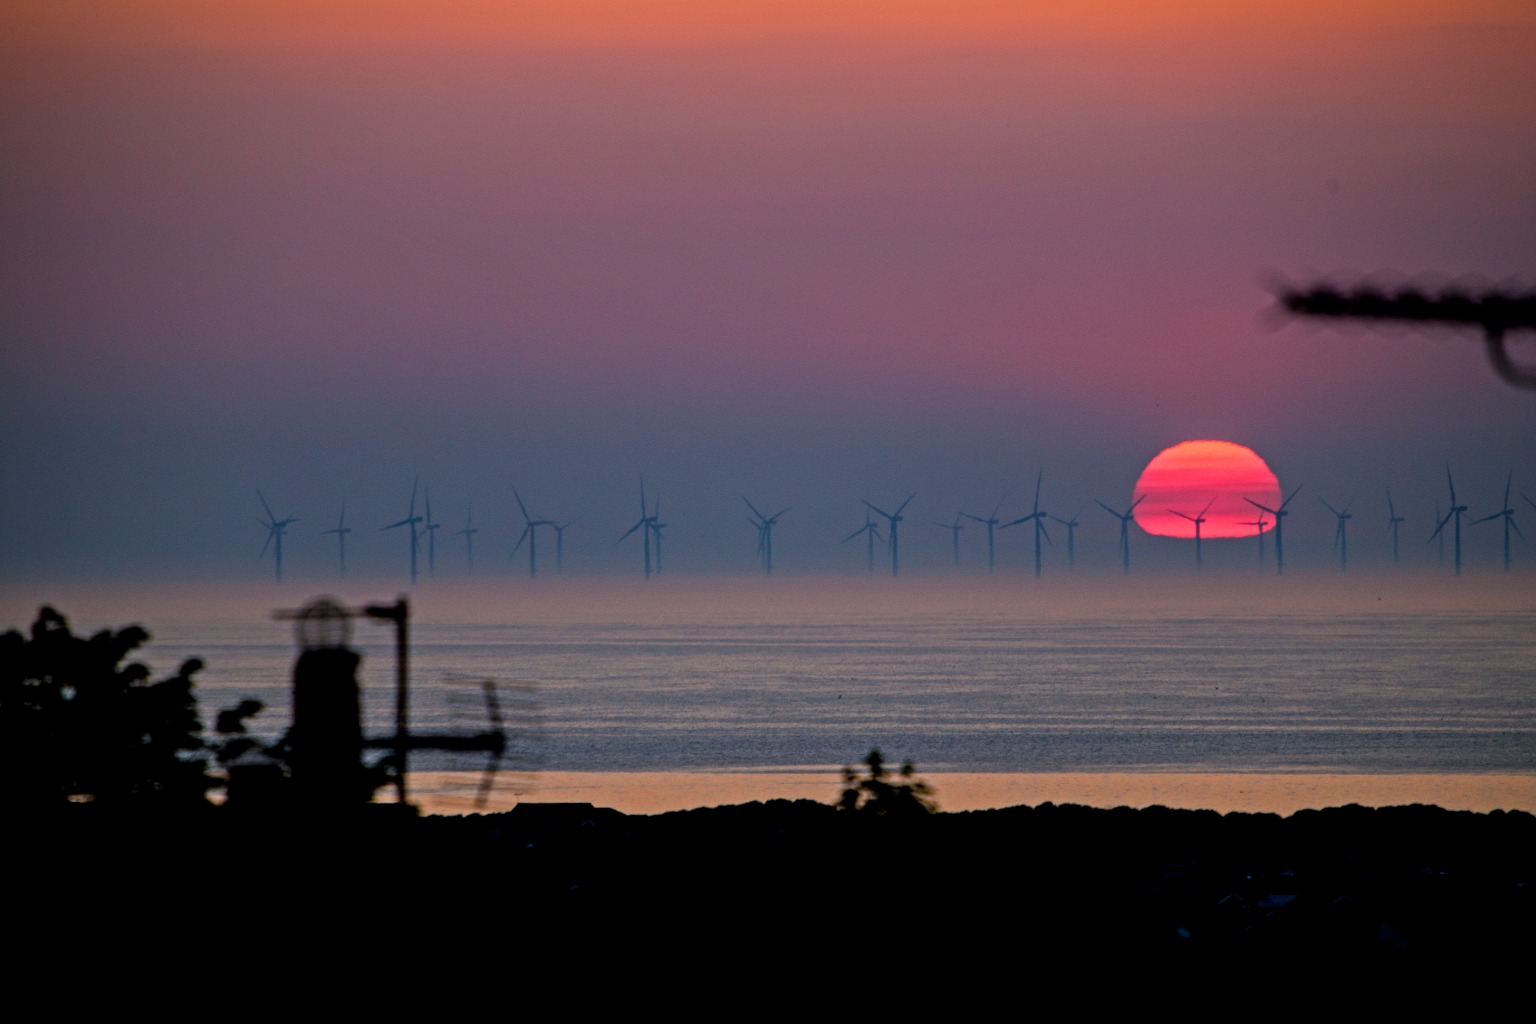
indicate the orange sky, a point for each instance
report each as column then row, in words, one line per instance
column 390, row 24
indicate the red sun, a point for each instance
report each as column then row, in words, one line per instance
column 1188, row 476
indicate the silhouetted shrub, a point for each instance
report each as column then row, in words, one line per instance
column 877, row 793
column 78, row 724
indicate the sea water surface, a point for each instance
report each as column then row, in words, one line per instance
column 1228, row 692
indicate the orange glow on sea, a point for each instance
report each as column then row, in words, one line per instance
column 1273, row 793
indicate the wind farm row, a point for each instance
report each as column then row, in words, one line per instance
column 881, row 533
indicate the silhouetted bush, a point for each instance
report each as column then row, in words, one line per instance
column 77, row 724
column 877, row 793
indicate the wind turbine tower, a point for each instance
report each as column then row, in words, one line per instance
column 1392, row 520
column 1125, row 529
column 468, row 533
column 894, row 518
column 1197, row 520
column 1039, row 518
column 1340, row 535
column 764, row 526
column 341, row 531
column 275, row 529
column 559, row 529
column 430, row 529
column 656, row 527
column 1279, row 514
column 530, row 533
column 410, row 521
column 643, row 524
column 1508, row 515
column 954, row 529
column 1071, row 525
column 871, row 531
column 990, row 523
column 1261, row 523
column 1456, row 512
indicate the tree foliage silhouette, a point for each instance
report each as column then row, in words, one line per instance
column 879, row 793
column 78, row 724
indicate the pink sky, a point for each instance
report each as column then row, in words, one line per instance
column 974, row 240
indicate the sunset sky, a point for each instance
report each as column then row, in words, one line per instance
column 808, row 252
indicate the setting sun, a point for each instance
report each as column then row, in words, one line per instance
column 1211, row 475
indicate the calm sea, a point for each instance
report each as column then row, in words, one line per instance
column 1104, row 677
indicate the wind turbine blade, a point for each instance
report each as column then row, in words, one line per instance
column 270, row 535
column 521, row 507
column 1138, row 501
column 264, row 505
column 877, row 508
column 780, row 512
column 1329, row 507
column 1181, row 515
column 1287, row 501
column 996, row 508
column 1266, row 508
column 1207, row 507
column 753, row 508
column 1516, row 527
column 1106, row 508
column 1509, row 482
column 906, row 503
column 1038, row 478
column 1496, row 515
column 643, row 521
column 1450, row 483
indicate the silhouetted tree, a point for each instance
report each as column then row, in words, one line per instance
column 878, row 793
column 77, row 724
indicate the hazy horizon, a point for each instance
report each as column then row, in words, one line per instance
column 805, row 253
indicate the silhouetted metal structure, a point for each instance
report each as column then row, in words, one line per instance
column 1495, row 312
column 326, row 740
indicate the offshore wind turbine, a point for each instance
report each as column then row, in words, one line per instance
column 275, row 528
column 559, row 529
column 764, row 526
column 1508, row 515
column 1039, row 518
column 1456, row 512
column 656, row 527
column 894, row 518
column 872, row 531
column 954, row 529
column 1071, row 525
column 1260, row 523
column 410, row 520
column 430, row 529
column 530, row 533
column 468, row 533
column 341, row 531
column 643, row 524
column 1392, row 520
column 990, row 523
column 1197, row 520
column 1125, row 529
column 1340, row 536
column 1279, row 514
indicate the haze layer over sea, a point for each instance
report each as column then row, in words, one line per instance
column 1226, row 692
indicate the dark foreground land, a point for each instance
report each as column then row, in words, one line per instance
column 1394, row 885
